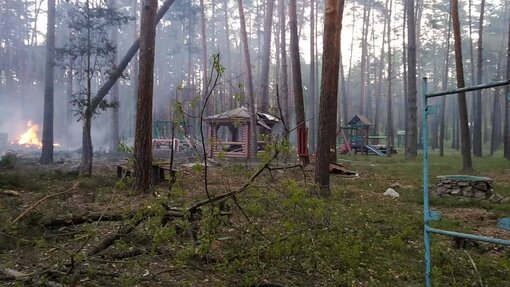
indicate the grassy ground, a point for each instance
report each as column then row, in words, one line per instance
column 272, row 233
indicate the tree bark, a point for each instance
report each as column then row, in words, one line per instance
column 412, row 129
column 115, row 133
column 459, row 67
column 284, row 87
column 326, row 148
column 442, row 123
column 47, row 137
column 389, row 97
column 134, row 69
column 203, row 42
column 364, row 51
column 312, row 89
column 506, row 127
column 477, row 125
column 252, row 152
column 143, row 133
column 266, row 58
column 297, row 83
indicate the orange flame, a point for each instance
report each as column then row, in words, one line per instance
column 30, row 138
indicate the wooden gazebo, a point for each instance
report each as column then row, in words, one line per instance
column 229, row 132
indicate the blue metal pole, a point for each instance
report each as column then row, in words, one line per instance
column 426, row 214
column 470, row 236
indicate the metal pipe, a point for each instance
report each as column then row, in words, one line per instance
column 469, row 236
column 469, row 89
column 426, row 214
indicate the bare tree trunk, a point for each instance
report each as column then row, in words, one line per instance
column 411, row 132
column 477, row 126
column 252, row 152
column 47, row 138
column 364, row 51
column 266, row 57
column 283, row 65
column 464, row 127
column 312, row 90
column 143, row 132
column 389, row 97
column 442, row 124
column 506, row 127
column 134, row 67
column 404, row 70
column 326, row 149
column 203, row 42
column 87, row 148
column 115, row 133
column 496, row 113
column 296, row 75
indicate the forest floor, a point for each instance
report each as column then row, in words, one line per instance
column 67, row 230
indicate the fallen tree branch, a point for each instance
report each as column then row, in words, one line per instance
column 229, row 194
column 111, row 238
column 9, row 192
column 72, row 188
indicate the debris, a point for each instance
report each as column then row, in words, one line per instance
column 337, row 168
column 391, row 193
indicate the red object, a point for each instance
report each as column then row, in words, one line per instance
column 302, row 133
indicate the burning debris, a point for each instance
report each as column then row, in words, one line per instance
column 30, row 137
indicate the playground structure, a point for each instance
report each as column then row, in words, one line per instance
column 228, row 133
column 429, row 215
column 359, row 139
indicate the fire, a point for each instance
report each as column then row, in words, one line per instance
column 30, row 138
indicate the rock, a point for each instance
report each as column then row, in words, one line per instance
column 456, row 191
column 505, row 200
column 481, row 186
column 391, row 193
column 479, row 194
column 468, row 193
column 462, row 183
column 395, row 185
column 441, row 190
column 496, row 198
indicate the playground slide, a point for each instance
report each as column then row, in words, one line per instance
column 374, row 150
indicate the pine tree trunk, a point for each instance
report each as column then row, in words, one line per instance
column 203, row 42
column 311, row 96
column 411, row 132
column 143, row 132
column 459, row 67
column 296, row 75
column 266, row 58
column 442, row 122
column 284, row 87
column 326, row 148
column 477, row 126
column 364, row 52
column 47, row 137
column 115, row 133
column 389, row 98
column 506, row 123
column 134, row 69
column 252, row 149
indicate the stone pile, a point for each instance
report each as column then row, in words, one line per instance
column 464, row 186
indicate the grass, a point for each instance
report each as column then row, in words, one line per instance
column 276, row 232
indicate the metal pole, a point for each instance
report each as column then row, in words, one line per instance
column 470, row 89
column 426, row 214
